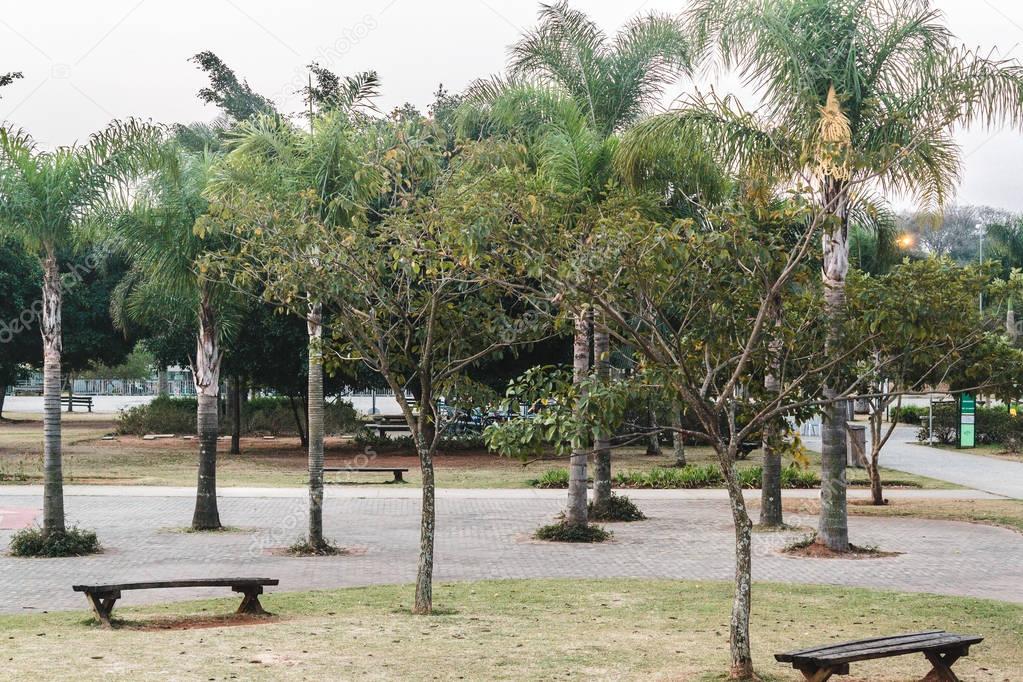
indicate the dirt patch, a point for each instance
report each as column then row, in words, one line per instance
column 341, row 551
column 814, row 550
column 197, row 622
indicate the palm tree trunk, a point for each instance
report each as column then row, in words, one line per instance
column 162, row 384
column 738, row 629
column 315, row 411
column 602, row 448
column 575, row 514
column 207, row 387
column 833, row 528
column 53, row 476
column 235, row 398
column 678, row 438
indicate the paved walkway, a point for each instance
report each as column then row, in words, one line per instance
column 480, row 535
column 1000, row 477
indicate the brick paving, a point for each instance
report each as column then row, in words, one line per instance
column 480, row 535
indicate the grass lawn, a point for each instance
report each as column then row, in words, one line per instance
column 996, row 450
column 614, row 630
column 1004, row 513
column 129, row 460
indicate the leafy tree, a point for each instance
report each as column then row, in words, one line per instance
column 232, row 96
column 919, row 326
column 19, row 292
column 858, row 95
column 952, row 231
column 47, row 198
column 572, row 90
column 8, row 78
column 165, row 244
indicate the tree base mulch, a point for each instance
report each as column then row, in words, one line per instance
column 563, row 532
column 809, row 548
column 304, row 548
column 618, row 508
column 35, row 542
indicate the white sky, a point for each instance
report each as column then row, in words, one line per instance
column 88, row 62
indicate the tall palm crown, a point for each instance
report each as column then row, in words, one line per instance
column 894, row 73
column 614, row 82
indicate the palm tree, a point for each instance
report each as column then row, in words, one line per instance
column 1007, row 242
column 165, row 242
column 858, row 96
column 572, row 91
column 271, row 157
column 48, row 198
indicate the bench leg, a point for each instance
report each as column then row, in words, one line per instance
column 822, row 674
column 941, row 666
column 102, row 605
column 398, row 478
column 250, row 602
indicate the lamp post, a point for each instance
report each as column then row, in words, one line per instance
column 980, row 234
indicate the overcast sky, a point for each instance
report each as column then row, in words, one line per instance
column 86, row 63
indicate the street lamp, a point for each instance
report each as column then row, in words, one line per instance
column 980, row 234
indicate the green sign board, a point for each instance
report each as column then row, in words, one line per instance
column 967, row 420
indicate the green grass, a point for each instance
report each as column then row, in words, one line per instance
column 1003, row 513
column 282, row 462
column 995, row 450
column 505, row 630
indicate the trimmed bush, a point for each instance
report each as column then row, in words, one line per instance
column 619, row 508
column 909, row 414
column 562, row 532
column 163, row 415
column 33, row 542
column 690, row 476
column 552, row 478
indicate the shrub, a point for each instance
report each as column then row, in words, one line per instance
column 992, row 425
column 690, row 476
column 910, row 414
column 562, row 532
column 163, row 415
column 552, row 478
column 619, row 508
column 34, row 542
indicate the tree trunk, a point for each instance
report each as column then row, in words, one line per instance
column 53, row 475
column 602, row 448
column 738, row 629
column 70, row 392
column 653, row 444
column 207, row 387
column 770, row 483
column 235, row 399
column 3, row 399
column 1010, row 323
column 315, row 411
column 678, row 439
column 300, row 422
column 833, row 528
column 425, row 434
column 575, row 514
column 162, row 383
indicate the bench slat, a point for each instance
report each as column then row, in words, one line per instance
column 365, row 469
column 945, row 643
column 157, row 584
column 826, row 648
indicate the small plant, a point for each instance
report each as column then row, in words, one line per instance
column 552, row 478
column 305, row 548
column 35, row 542
column 563, row 532
column 618, row 508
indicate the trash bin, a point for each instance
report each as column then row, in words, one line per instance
column 856, row 445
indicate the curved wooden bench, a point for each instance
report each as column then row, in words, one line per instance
column 103, row 597
column 942, row 649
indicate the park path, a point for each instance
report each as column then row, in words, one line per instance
column 481, row 535
column 992, row 475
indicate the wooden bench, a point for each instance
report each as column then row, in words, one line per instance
column 71, row 401
column 942, row 649
column 102, row 597
column 397, row 471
